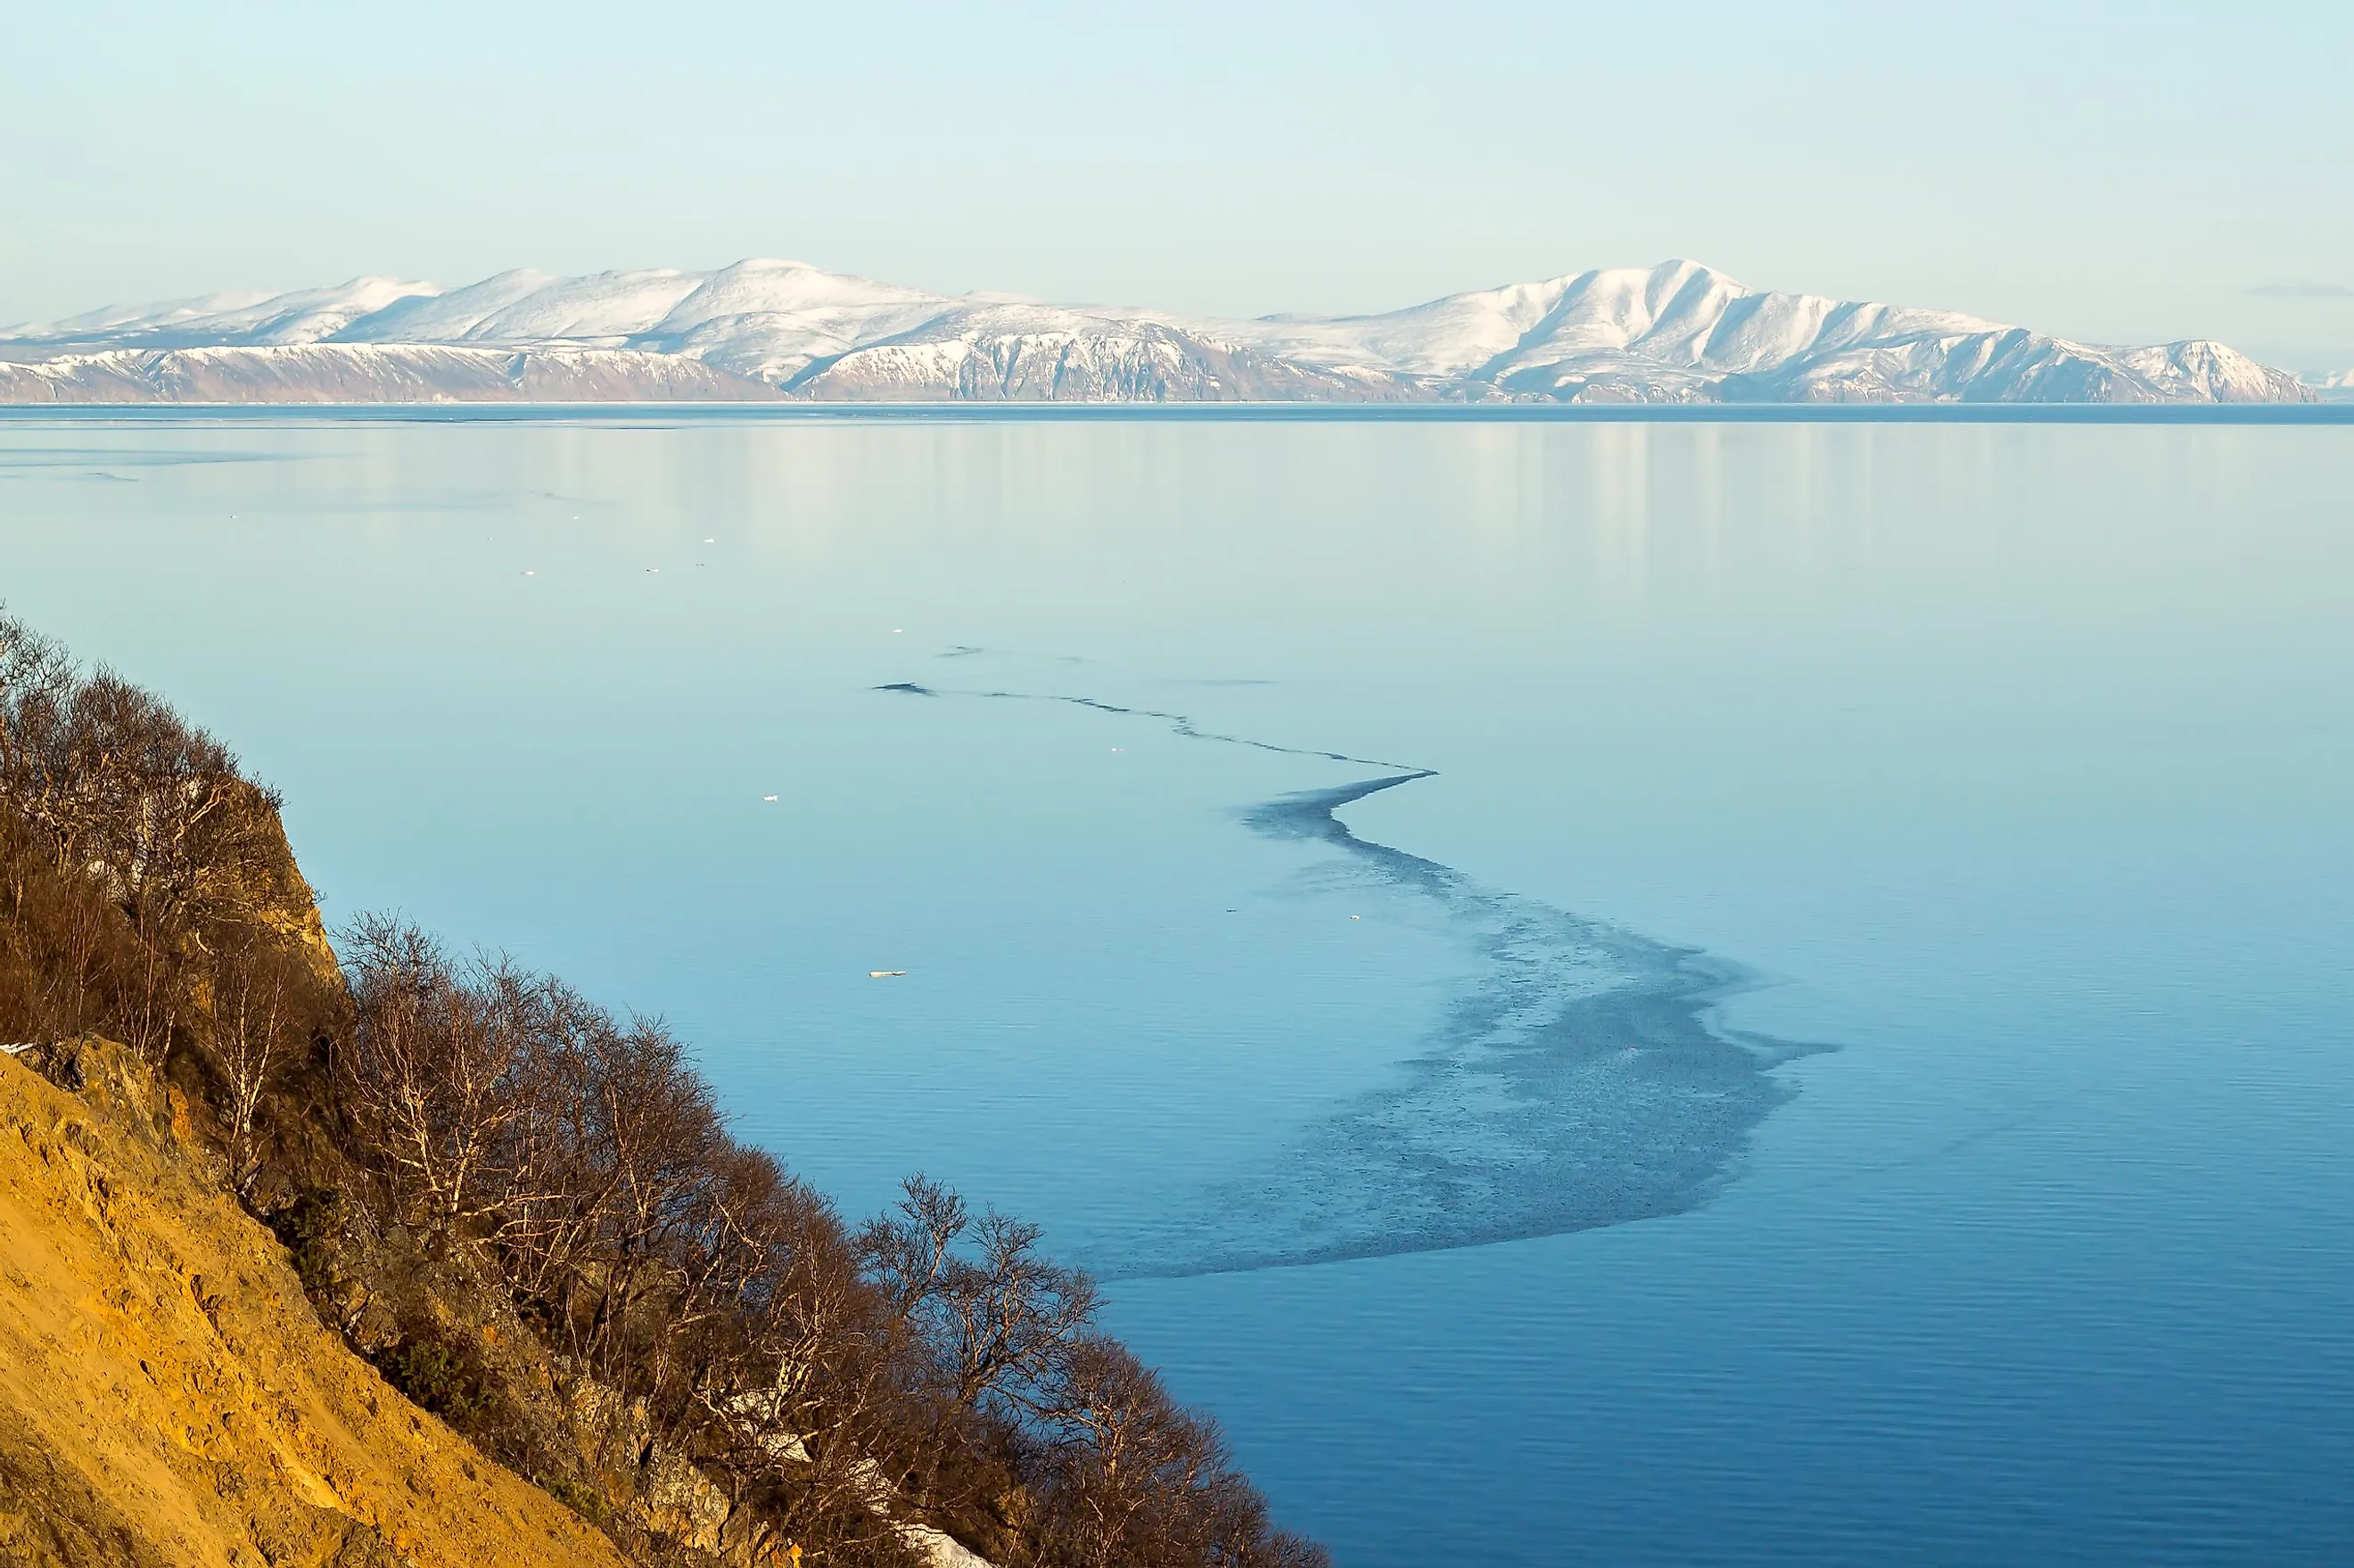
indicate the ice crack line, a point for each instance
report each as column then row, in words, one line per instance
column 1179, row 724
column 1577, row 1081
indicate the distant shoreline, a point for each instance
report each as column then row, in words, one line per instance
column 2333, row 413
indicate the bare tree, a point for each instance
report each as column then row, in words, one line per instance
column 559, row 1181
column 37, row 680
column 995, row 1309
column 1134, row 1478
column 434, row 1071
column 255, row 1024
column 809, row 1398
column 65, row 953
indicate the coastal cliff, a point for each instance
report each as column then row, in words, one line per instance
column 356, row 1252
column 169, row 1397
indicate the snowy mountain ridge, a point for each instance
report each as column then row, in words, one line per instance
column 1679, row 331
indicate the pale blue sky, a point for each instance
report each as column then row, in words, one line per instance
column 2110, row 171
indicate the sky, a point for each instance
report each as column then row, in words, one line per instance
column 2110, row 171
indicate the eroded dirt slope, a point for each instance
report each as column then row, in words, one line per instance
column 166, row 1395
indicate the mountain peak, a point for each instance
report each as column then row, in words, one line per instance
column 1676, row 331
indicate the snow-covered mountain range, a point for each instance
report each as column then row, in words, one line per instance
column 1679, row 331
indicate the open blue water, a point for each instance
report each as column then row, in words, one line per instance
column 1830, row 1042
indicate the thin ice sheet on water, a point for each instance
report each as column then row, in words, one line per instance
column 1578, row 1080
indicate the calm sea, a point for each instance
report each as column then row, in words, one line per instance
column 1681, row 992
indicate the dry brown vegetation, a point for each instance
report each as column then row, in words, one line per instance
column 530, row 1213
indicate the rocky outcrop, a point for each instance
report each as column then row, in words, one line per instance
column 167, row 1395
